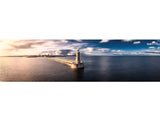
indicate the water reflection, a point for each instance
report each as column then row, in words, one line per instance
column 78, row 73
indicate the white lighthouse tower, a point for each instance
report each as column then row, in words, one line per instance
column 78, row 63
column 78, row 57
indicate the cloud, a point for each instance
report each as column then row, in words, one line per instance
column 58, row 52
column 78, row 40
column 127, row 40
column 23, row 47
column 54, row 47
column 94, row 50
column 20, row 44
column 47, row 44
column 104, row 40
column 152, row 47
column 136, row 42
column 135, row 53
column 153, row 51
column 26, row 45
column 116, row 51
column 91, row 49
column 63, row 52
column 61, row 48
column 69, row 47
column 101, row 51
column 153, row 43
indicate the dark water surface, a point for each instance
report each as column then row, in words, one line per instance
column 97, row 68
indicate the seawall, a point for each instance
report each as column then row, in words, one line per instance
column 66, row 62
column 70, row 63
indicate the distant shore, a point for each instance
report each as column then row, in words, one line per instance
column 38, row 56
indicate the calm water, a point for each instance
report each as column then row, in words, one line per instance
column 128, row 68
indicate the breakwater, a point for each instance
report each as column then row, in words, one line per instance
column 70, row 63
column 66, row 62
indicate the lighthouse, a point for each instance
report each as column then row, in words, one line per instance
column 78, row 63
column 78, row 57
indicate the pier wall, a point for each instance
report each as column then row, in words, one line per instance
column 66, row 62
column 70, row 63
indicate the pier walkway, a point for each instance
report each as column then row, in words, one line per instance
column 67, row 62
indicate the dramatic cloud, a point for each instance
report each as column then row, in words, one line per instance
column 136, row 42
column 22, row 47
column 100, row 51
column 127, row 40
column 153, row 43
column 26, row 45
column 20, row 44
column 58, row 52
column 94, row 51
column 104, row 40
column 153, row 51
column 87, row 47
column 91, row 49
column 78, row 40
column 152, row 47
column 60, row 47
column 116, row 51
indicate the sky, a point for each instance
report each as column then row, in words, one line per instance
column 92, row 47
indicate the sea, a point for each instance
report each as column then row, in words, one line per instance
column 97, row 68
